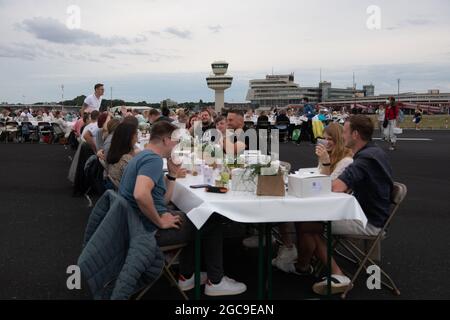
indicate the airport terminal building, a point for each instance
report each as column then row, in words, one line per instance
column 281, row 90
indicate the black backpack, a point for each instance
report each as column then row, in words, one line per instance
column 73, row 141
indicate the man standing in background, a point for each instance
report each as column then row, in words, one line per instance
column 391, row 115
column 94, row 101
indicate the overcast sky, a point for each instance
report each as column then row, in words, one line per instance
column 151, row 50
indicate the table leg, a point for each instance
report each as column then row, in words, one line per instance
column 197, row 264
column 329, row 257
column 268, row 236
column 261, row 283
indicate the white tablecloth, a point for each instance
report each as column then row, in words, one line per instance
column 247, row 207
column 294, row 120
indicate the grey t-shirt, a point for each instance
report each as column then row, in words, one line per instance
column 149, row 164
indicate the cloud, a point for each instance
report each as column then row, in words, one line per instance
column 419, row 22
column 133, row 52
column 392, row 28
column 107, row 56
column 140, row 38
column 215, row 29
column 171, row 31
column 9, row 51
column 84, row 57
column 152, row 56
column 33, row 51
column 416, row 22
column 183, row 34
column 29, row 52
column 54, row 31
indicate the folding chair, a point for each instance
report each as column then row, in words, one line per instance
column 283, row 127
column 59, row 133
column 249, row 124
column 364, row 257
column 45, row 129
column 103, row 163
column 12, row 129
column 2, row 129
column 114, row 182
column 167, row 269
column 33, row 131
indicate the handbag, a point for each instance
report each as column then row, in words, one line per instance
column 385, row 123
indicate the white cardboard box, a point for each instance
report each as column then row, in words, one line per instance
column 309, row 185
column 303, row 171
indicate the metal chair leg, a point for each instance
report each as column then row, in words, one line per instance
column 362, row 264
column 174, row 281
column 86, row 195
column 358, row 271
column 145, row 290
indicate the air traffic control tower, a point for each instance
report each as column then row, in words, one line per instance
column 219, row 82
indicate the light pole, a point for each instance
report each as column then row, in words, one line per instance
column 354, row 93
column 398, row 89
column 62, row 97
column 110, row 104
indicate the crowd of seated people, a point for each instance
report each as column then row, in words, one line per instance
column 141, row 181
column 49, row 126
column 348, row 156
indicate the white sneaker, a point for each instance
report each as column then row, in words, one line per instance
column 285, row 259
column 253, row 242
column 338, row 285
column 226, row 287
column 288, row 267
column 188, row 284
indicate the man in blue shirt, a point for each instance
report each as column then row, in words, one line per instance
column 149, row 191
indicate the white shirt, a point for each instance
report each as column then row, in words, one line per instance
column 380, row 114
column 92, row 128
column 62, row 124
column 340, row 167
column 140, row 118
column 46, row 118
column 93, row 102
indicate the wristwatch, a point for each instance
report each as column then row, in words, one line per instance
column 170, row 178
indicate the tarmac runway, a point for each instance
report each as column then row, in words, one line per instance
column 42, row 226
